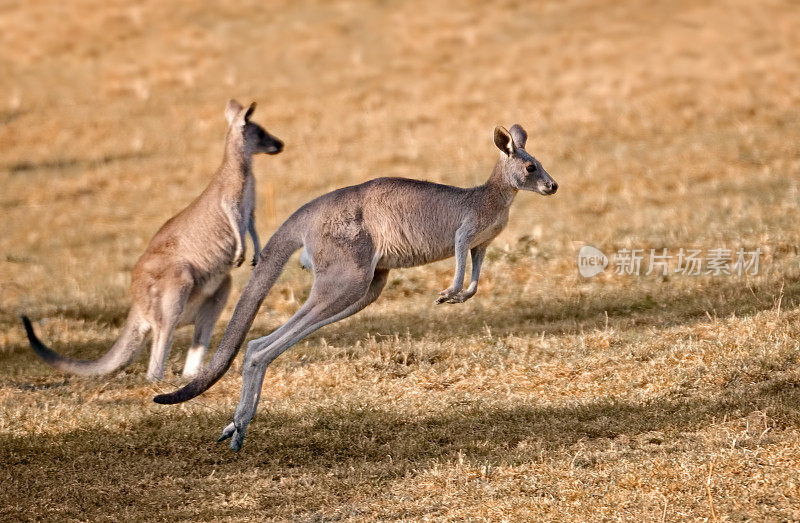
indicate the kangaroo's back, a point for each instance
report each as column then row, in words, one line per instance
column 199, row 236
column 413, row 222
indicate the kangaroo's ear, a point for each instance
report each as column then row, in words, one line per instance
column 249, row 112
column 503, row 140
column 519, row 135
column 232, row 109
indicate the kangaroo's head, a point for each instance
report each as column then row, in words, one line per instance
column 252, row 137
column 521, row 170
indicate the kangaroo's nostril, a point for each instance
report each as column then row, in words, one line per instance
column 554, row 186
column 275, row 148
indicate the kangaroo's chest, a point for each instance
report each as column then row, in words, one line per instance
column 490, row 230
column 248, row 203
column 409, row 247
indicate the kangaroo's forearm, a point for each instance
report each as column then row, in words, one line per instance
column 254, row 235
column 251, row 228
column 477, row 260
column 462, row 247
column 477, row 254
column 456, row 294
column 464, row 236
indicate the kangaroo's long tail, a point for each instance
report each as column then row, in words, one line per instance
column 270, row 265
column 120, row 355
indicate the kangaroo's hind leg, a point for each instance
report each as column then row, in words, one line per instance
column 204, row 322
column 374, row 290
column 170, row 301
column 335, row 295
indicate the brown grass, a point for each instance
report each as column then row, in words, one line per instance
column 547, row 396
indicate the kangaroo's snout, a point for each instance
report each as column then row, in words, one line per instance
column 275, row 147
column 546, row 186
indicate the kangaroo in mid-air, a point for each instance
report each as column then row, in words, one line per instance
column 351, row 238
column 183, row 276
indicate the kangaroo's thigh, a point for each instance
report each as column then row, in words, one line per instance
column 204, row 321
column 168, row 300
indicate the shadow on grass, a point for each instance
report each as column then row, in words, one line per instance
column 113, row 314
column 572, row 314
column 568, row 314
column 167, row 462
column 71, row 163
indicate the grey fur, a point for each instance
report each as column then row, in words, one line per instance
column 351, row 238
column 183, row 276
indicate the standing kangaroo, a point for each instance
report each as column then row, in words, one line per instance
column 184, row 275
column 351, row 238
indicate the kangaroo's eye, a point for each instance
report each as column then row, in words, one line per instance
column 531, row 168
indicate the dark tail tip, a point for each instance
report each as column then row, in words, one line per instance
column 29, row 330
column 166, row 399
column 187, row 392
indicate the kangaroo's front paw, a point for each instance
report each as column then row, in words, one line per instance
column 255, row 260
column 238, row 260
column 461, row 297
column 446, row 295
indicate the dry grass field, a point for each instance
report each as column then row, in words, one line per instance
column 548, row 396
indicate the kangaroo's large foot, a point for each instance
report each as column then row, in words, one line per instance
column 236, row 436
